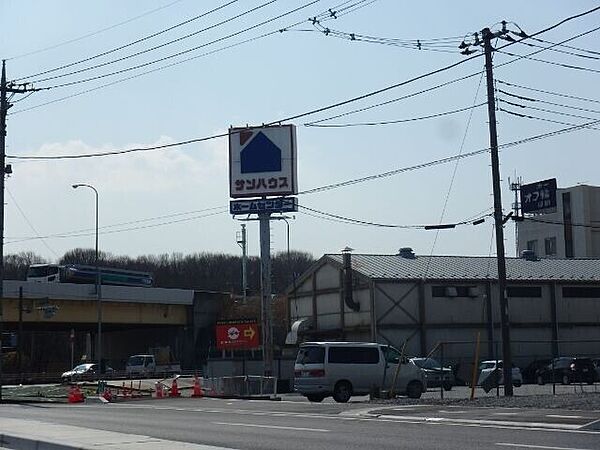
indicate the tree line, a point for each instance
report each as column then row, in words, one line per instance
column 218, row 272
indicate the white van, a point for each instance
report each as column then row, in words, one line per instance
column 343, row 369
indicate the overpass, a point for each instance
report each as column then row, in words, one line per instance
column 134, row 319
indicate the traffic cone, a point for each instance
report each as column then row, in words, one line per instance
column 159, row 390
column 75, row 395
column 174, row 389
column 197, row 388
column 107, row 394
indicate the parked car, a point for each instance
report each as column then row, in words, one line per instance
column 434, row 373
column 344, row 369
column 597, row 366
column 83, row 372
column 530, row 372
column 568, row 370
column 495, row 369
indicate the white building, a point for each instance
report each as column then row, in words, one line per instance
column 570, row 231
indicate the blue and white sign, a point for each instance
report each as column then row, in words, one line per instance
column 270, row 205
column 536, row 197
column 262, row 161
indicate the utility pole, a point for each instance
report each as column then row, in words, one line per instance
column 243, row 243
column 5, row 88
column 487, row 37
column 266, row 297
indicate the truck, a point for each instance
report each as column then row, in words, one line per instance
column 82, row 274
column 156, row 362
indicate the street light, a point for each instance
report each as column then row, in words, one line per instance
column 98, row 284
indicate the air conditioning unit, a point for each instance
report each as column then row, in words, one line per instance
column 451, row 291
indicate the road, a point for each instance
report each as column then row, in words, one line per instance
column 298, row 424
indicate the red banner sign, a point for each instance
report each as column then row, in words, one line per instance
column 237, row 335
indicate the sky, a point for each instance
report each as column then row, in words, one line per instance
column 175, row 200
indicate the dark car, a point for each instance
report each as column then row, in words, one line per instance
column 568, row 370
column 434, row 374
column 84, row 372
column 530, row 372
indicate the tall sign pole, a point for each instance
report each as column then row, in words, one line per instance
column 266, row 292
column 487, row 37
column 262, row 172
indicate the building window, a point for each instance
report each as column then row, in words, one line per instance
column 532, row 245
column 524, row 291
column 581, row 292
column 455, row 291
column 568, row 226
column 550, row 244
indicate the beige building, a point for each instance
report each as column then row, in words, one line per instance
column 572, row 231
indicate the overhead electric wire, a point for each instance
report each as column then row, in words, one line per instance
column 537, row 100
column 94, row 33
column 558, row 222
column 558, row 94
column 554, row 63
column 156, row 47
column 389, row 122
column 446, row 159
column 137, row 228
column 314, row 111
column 558, row 50
column 183, row 52
column 29, row 222
column 129, row 44
column 383, row 225
column 543, row 119
column 584, row 50
column 535, row 108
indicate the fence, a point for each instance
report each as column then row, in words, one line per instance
column 556, row 366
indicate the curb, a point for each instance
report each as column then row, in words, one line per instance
column 23, row 443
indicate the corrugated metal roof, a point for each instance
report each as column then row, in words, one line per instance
column 395, row 267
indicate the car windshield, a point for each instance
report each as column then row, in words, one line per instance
column 310, row 355
column 487, row 365
column 427, row 363
column 82, row 368
column 135, row 361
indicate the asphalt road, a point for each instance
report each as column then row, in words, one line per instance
column 298, row 424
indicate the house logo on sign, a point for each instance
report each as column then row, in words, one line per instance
column 262, row 161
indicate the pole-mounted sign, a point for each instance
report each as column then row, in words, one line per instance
column 262, row 161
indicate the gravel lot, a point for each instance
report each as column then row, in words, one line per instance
column 527, row 396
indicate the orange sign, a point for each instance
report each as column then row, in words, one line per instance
column 237, row 335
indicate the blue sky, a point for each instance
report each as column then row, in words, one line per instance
column 264, row 80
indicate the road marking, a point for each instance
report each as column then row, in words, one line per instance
column 544, row 447
column 506, row 414
column 561, row 416
column 276, row 427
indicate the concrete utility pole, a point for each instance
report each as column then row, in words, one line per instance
column 266, row 297
column 5, row 89
column 487, row 37
column 243, row 243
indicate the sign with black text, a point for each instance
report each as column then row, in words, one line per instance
column 539, row 196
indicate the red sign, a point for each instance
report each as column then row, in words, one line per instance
column 237, row 335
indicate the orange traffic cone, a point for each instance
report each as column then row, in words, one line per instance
column 197, row 388
column 75, row 395
column 107, row 394
column 174, row 389
column 159, row 390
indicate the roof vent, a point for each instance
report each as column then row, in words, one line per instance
column 406, row 252
column 529, row 255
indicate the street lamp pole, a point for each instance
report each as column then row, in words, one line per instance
column 98, row 284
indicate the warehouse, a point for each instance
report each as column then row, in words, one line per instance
column 554, row 304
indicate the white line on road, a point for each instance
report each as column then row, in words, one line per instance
column 276, row 427
column 561, row 416
column 543, row 447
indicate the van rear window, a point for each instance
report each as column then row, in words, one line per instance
column 311, row 355
column 353, row 355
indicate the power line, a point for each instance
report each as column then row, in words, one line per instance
column 311, row 112
column 554, row 63
column 389, row 122
column 183, row 52
column 536, row 100
column 558, row 222
column 567, row 46
column 383, row 225
column 543, row 119
column 535, row 108
column 446, row 160
column 94, row 33
column 156, row 47
column 558, row 94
